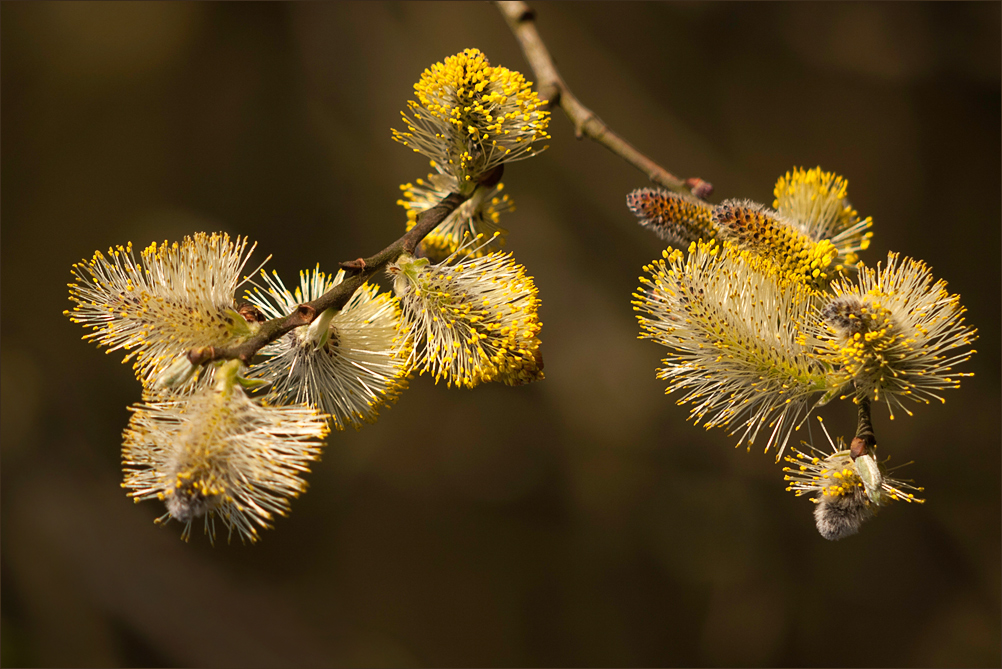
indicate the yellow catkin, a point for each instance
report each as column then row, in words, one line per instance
column 470, row 323
column 470, row 117
column 733, row 327
column 174, row 297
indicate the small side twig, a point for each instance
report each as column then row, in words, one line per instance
column 522, row 21
column 864, row 441
column 360, row 270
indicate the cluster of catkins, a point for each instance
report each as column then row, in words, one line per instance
column 231, row 442
column 770, row 314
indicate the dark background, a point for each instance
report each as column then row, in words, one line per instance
column 576, row 521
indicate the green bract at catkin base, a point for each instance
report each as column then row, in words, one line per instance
column 847, row 491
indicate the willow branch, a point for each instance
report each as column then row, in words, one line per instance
column 864, row 441
column 360, row 270
column 551, row 87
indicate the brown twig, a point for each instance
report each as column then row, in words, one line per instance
column 551, row 87
column 864, row 441
column 337, row 297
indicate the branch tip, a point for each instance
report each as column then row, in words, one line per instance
column 699, row 188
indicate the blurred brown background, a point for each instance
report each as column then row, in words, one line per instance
column 577, row 521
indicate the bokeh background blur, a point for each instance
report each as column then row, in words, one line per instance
column 576, row 521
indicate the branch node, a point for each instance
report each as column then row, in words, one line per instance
column 858, row 447
column 354, row 266
column 699, row 188
column 250, row 313
column 550, row 92
column 305, row 313
column 202, row 354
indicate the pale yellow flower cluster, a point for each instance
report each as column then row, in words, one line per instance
column 230, row 442
column 169, row 300
column 468, row 310
column 348, row 363
column 771, row 314
column 218, row 454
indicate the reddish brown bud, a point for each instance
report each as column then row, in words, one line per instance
column 250, row 313
column 202, row 354
column 699, row 188
column 858, row 447
column 357, row 265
